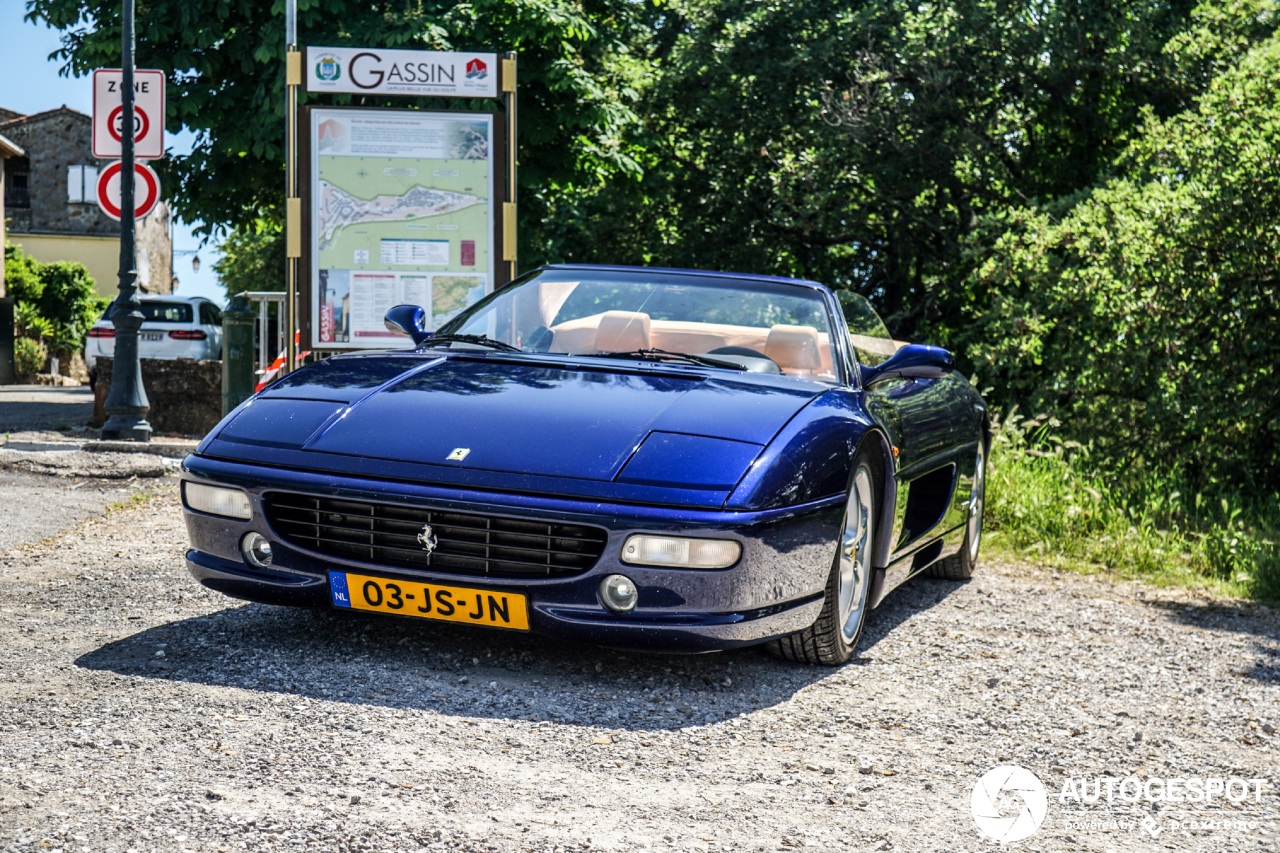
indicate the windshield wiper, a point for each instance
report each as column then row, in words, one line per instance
column 478, row 340
column 668, row 355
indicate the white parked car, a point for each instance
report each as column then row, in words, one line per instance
column 173, row 327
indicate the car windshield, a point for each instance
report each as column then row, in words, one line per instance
column 578, row 312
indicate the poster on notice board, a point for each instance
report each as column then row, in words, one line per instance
column 402, row 211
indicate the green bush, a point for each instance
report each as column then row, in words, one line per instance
column 55, row 303
column 28, row 356
column 68, row 300
column 21, row 275
column 29, row 323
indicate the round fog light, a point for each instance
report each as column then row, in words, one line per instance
column 618, row 593
column 256, row 550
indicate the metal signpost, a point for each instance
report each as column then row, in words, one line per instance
column 127, row 404
column 293, row 204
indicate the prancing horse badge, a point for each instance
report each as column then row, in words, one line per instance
column 458, row 454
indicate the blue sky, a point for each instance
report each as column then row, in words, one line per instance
column 29, row 83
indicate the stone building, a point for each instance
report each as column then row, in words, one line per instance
column 50, row 201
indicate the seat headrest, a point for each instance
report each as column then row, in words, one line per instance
column 622, row 331
column 794, row 348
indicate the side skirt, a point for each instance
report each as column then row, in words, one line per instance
column 885, row 580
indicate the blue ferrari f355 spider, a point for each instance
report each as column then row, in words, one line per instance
column 640, row 458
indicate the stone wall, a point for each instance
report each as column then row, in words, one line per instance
column 154, row 238
column 185, row 396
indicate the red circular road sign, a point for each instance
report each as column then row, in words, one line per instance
column 146, row 190
column 141, row 124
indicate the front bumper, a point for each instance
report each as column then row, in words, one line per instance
column 775, row 589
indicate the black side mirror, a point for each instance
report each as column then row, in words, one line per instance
column 914, row 361
column 408, row 320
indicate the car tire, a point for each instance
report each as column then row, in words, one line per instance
column 959, row 566
column 833, row 637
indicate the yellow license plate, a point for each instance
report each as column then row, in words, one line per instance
column 430, row 601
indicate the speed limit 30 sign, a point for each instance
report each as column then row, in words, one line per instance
column 148, row 113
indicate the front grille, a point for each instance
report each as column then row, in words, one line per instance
column 465, row 543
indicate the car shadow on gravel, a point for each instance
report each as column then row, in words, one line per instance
column 1245, row 618
column 370, row 660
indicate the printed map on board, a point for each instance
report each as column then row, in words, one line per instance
column 401, row 214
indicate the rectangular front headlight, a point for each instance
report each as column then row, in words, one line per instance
column 215, row 500
column 680, row 552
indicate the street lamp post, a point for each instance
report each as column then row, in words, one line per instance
column 127, row 404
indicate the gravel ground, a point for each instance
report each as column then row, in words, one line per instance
column 35, row 507
column 80, row 464
column 139, row 711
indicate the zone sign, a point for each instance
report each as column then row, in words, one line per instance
column 148, row 113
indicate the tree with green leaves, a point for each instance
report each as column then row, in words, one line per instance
column 224, row 64
column 861, row 143
column 253, row 254
column 1143, row 313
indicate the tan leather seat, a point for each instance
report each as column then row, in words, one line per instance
column 622, row 331
column 795, row 349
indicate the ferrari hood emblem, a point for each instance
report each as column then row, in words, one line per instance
column 458, row 454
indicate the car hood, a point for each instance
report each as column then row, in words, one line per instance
column 480, row 419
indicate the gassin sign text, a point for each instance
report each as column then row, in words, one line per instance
column 423, row 73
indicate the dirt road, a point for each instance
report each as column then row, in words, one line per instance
column 139, row 711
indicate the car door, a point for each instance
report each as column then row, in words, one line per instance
column 927, row 421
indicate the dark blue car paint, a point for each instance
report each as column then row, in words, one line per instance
column 811, row 457
column 677, row 460
column 605, row 442
column 551, row 452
